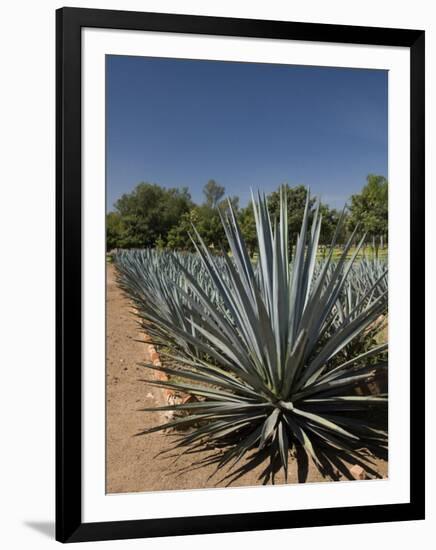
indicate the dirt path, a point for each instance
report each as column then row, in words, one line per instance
column 131, row 465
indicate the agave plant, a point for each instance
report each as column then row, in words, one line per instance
column 370, row 274
column 366, row 282
column 158, row 287
column 264, row 374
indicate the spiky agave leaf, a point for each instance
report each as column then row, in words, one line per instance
column 265, row 373
column 158, row 288
column 366, row 283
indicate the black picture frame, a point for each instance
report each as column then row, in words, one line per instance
column 69, row 525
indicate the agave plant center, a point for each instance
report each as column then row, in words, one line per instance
column 284, row 405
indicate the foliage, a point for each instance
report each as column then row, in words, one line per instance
column 207, row 221
column 367, row 281
column 296, row 201
column 149, row 212
column 213, row 193
column 248, row 228
column 114, row 230
column 330, row 223
column 178, row 236
column 296, row 198
column 258, row 344
column 157, row 286
column 153, row 216
column 370, row 207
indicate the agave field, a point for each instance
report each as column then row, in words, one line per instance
column 276, row 353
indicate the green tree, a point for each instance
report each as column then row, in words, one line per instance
column 149, row 212
column 205, row 218
column 296, row 203
column 369, row 208
column 213, row 193
column 224, row 204
column 206, row 221
column 178, row 237
column 330, row 221
column 248, row 228
column 296, row 198
column 114, row 230
column 209, row 226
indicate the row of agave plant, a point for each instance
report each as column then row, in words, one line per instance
column 272, row 350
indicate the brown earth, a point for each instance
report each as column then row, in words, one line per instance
column 131, row 462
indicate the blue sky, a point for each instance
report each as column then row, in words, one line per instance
column 182, row 122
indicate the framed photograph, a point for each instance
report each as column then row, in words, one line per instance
column 240, row 274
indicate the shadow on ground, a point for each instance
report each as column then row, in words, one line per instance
column 46, row 528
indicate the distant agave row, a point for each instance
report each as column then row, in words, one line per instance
column 154, row 280
column 157, row 283
column 269, row 350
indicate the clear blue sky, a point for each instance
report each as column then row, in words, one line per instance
column 182, row 122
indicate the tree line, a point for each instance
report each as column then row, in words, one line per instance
column 155, row 216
